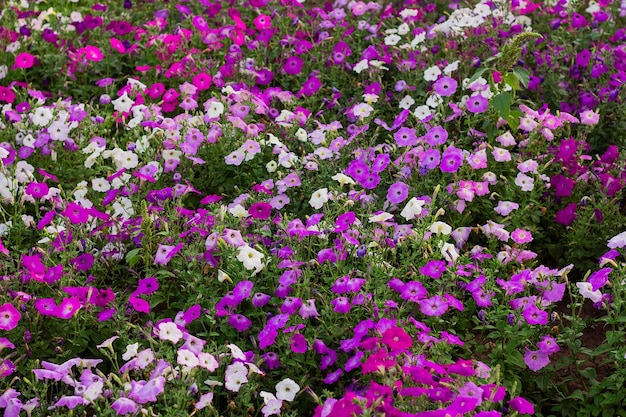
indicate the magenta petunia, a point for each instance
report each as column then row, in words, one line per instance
column 68, row 308
column 146, row 286
column 76, row 214
column 397, row 339
column 521, row 236
column 293, row 65
column 37, row 189
column 24, row 60
column 9, row 317
column 299, row 343
column 521, row 405
column 534, row 315
column 548, row 345
column 434, row 268
column 260, row 210
column 436, row 136
column 536, row 360
column 341, row 305
column 46, row 306
column 405, row 136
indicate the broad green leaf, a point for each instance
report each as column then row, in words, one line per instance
column 512, row 81
column 522, row 75
column 502, row 103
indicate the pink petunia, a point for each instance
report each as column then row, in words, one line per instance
column 9, row 317
column 397, row 339
column 521, row 236
column 165, row 253
column 24, row 60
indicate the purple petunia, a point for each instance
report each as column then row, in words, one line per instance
column 398, row 192
column 477, row 104
column 445, row 86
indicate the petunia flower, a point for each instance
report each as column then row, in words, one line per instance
column 251, row 258
column 318, row 198
column 9, row 317
column 287, row 389
column 169, row 331
column 397, row 339
column 521, row 405
column 617, row 241
column 123, row 406
column 165, row 253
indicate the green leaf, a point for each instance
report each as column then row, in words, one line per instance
column 589, row 373
column 513, row 120
column 577, row 395
column 132, row 257
column 614, row 337
column 502, row 103
column 476, row 75
column 512, row 81
column 516, row 358
column 522, row 75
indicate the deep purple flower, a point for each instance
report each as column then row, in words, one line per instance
column 562, row 185
column 566, row 216
column 270, row 359
column 83, row 262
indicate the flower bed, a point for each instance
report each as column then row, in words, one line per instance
column 275, row 208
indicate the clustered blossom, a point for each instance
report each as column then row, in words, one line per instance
column 262, row 194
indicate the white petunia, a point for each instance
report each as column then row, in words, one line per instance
column 587, row 292
column 412, row 209
column 131, row 351
column 251, row 258
column 441, row 228
column 287, row 389
column 169, row 331
column 319, row 198
column 123, row 103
